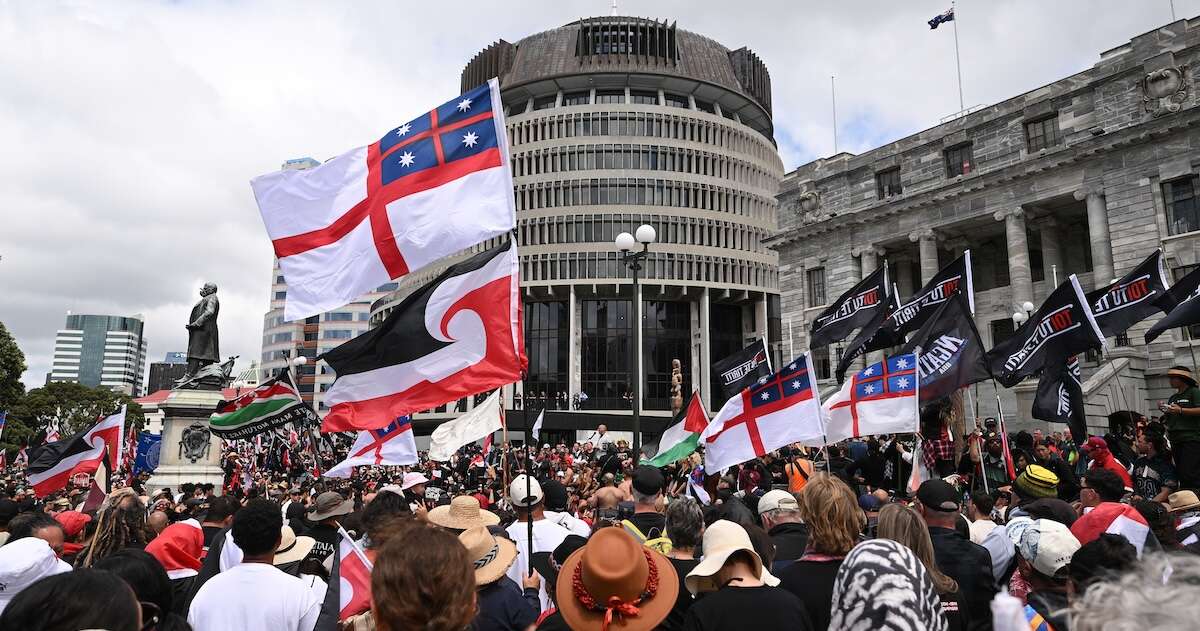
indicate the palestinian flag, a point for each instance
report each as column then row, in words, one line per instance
column 272, row 404
column 680, row 439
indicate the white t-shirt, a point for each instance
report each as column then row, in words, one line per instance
column 980, row 528
column 254, row 597
column 546, row 537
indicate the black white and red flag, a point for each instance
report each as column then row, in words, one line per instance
column 1059, row 398
column 951, row 354
column 459, row 335
column 1061, row 327
column 852, row 310
column 52, row 465
column 953, row 279
column 1185, row 311
column 872, row 337
column 743, row 369
column 1134, row 297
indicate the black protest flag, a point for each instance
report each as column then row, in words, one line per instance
column 1136, row 296
column 951, row 352
column 1185, row 311
column 853, row 309
column 955, row 278
column 743, row 369
column 1061, row 327
column 1059, row 397
column 872, row 337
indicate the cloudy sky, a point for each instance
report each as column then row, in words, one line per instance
column 130, row 129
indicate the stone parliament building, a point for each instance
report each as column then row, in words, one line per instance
column 1086, row 176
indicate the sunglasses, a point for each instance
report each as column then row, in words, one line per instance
column 151, row 615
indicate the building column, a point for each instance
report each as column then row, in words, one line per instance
column 1052, row 258
column 574, row 372
column 705, row 351
column 927, row 240
column 1019, row 277
column 868, row 260
column 1098, row 235
column 904, row 279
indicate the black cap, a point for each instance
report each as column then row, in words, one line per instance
column 648, row 480
column 555, row 494
column 938, row 495
column 547, row 563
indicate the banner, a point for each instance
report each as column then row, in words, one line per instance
column 852, row 310
column 1134, row 297
column 148, row 448
column 952, row 279
column 1186, row 310
column 743, row 369
column 1061, row 327
column 951, row 353
column 872, row 337
column 273, row 404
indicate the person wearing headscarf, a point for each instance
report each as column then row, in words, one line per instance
column 882, row 585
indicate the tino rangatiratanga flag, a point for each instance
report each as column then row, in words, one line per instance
column 852, row 310
column 52, row 465
column 274, row 403
column 431, row 187
column 951, row 353
column 872, row 337
column 1186, row 311
column 1061, row 327
column 743, row 368
column 458, row 335
column 1136, row 296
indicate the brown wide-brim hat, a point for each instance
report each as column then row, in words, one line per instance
column 614, row 564
column 1181, row 501
column 490, row 555
column 1183, row 374
column 461, row 513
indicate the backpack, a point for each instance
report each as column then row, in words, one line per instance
column 660, row 544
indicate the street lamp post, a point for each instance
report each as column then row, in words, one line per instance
column 633, row 260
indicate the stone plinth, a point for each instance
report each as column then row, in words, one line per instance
column 186, row 412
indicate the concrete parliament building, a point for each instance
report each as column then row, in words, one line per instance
column 616, row 122
column 1087, row 176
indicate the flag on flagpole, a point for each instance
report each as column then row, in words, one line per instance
column 537, row 425
column 459, row 335
column 1186, row 295
column 1113, row 518
column 354, row 577
column 1136, row 296
column 51, row 466
column 914, row 479
column 854, row 309
column 882, row 398
column 742, row 369
column 22, row 459
column 942, row 18
column 3, row 418
column 273, row 404
column 480, row 422
column 1061, row 327
column 766, row 416
column 149, row 447
column 696, row 485
column 1059, row 397
column 431, row 187
column 393, row 445
column 951, row 353
column 679, row 440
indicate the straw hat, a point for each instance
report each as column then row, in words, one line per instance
column 462, row 513
column 491, row 555
column 292, row 548
column 1182, row 373
column 721, row 540
column 1181, row 501
column 617, row 577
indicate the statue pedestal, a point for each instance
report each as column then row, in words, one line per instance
column 189, row 453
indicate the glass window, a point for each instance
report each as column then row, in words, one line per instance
column 576, row 98
column 1183, row 208
column 725, row 339
column 605, row 359
column 337, row 334
column 281, row 295
column 675, row 100
column 610, row 96
column 666, row 336
column 705, row 107
column 816, row 286
column 887, row 183
column 1042, row 133
column 279, row 279
column 546, row 339
column 1001, row 330
column 643, row 97
column 545, row 102
column 959, row 160
column 339, row 316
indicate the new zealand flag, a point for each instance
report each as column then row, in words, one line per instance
column 1061, row 327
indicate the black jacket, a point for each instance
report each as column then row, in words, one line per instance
column 790, row 540
column 971, row 566
column 1068, row 483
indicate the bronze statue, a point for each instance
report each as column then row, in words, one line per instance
column 203, row 344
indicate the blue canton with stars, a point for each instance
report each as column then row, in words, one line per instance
column 458, row 143
column 791, row 381
column 895, row 375
column 395, row 427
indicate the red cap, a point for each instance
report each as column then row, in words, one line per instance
column 72, row 522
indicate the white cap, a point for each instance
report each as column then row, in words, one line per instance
column 776, row 500
column 516, row 490
column 24, row 562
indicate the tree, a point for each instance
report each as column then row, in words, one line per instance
column 12, row 366
column 74, row 406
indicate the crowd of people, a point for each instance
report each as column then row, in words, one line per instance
column 1019, row 531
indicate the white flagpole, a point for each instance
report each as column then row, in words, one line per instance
column 957, row 62
column 833, row 101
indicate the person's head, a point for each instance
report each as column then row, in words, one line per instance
column 937, row 503
column 144, row 575
column 208, row 289
column 778, row 507
column 1100, row 485
column 602, row 429
column 1034, row 483
column 40, row 525
column 1181, row 378
column 831, row 511
column 685, row 523
column 120, row 521
column 256, row 529
column 1161, row 522
column 527, row 496
column 883, row 585
column 429, row 586
column 1044, row 551
column 82, row 599
column 1041, row 451
column 1101, row 559
column 981, row 505
column 728, row 552
column 388, row 504
column 1161, row 588
column 647, row 486
column 904, row 525
column 157, row 521
column 1054, row 509
column 993, row 446
column 220, row 511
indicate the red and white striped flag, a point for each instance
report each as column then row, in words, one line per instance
column 1113, row 518
column 53, row 464
column 354, row 581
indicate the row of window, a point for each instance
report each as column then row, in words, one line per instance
column 659, row 265
column 670, row 229
column 639, row 192
column 616, row 96
column 643, row 124
column 652, row 158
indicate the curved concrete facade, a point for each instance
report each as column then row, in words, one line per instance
column 616, row 122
